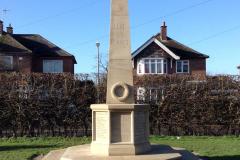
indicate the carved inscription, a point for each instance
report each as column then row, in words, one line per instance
column 119, row 31
column 118, row 26
column 101, row 126
column 121, row 42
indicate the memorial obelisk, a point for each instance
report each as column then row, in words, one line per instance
column 120, row 127
column 120, row 64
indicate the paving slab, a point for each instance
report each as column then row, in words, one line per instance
column 159, row 152
column 54, row 155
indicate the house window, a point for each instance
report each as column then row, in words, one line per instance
column 140, row 68
column 52, row 66
column 24, row 91
column 152, row 66
column 141, row 94
column 151, row 94
column 6, row 62
column 147, row 66
column 182, row 66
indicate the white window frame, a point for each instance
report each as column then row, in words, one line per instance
column 153, row 93
column 141, row 66
column 52, row 61
column 182, row 62
column 141, row 91
column 11, row 63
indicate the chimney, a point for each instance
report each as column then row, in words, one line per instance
column 10, row 29
column 163, row 33
column 1, row 27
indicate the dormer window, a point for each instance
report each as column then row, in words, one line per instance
column 152, row 66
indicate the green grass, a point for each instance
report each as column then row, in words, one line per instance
column 215, row 148
column 25, row 148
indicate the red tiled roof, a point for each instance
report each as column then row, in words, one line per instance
column 176, row 47
column 9, row 45
column 180, row 49
column 30, row 44
column 41, row 46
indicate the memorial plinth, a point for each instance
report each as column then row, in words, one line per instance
column 120, row 129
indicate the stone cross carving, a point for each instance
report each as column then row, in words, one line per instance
column 120, row 76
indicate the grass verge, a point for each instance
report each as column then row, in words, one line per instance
column 26, row 148
column 212, row 148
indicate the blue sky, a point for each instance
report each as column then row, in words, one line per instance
column 209, row 26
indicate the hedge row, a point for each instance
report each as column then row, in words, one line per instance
column 185, row 106
column 59, row 104
column 45, row 104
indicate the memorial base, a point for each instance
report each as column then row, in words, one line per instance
column 120, row 129
column 83, row 153
column 119, row 149
column 158, row 152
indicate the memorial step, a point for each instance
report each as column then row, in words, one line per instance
column 159, row 152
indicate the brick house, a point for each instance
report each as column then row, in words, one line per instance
column 28, row 53
column 164, row 55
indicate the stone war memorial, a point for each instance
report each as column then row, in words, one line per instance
column 120, row 128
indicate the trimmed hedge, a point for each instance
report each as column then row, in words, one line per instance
column 185, row 106
column 45, row 104
column 59, row 104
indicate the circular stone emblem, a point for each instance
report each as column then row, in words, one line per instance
column 120, row 91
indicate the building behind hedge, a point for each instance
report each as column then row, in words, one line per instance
column 161, row 55
column 28, row 53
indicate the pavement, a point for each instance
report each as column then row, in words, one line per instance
column 159, row 152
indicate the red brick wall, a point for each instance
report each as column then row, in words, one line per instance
column 198, row 68
column 68, row 64
column 24, row 65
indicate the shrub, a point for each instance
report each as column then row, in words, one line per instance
column 45, row 104
column 59, row 104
